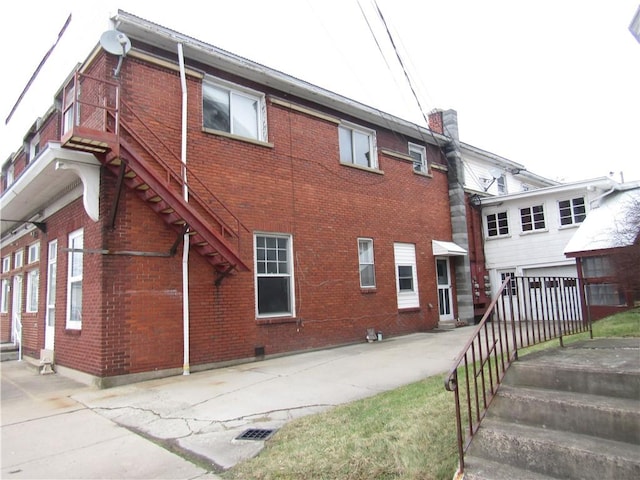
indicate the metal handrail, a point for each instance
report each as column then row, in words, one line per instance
column 525, row 311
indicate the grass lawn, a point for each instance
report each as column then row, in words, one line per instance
column 407, row 433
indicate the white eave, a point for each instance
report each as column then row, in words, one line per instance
column 53, row 172
column 602, row 183
column 166, row 39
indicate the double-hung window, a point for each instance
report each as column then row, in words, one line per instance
column 406, row 277
column 33, row 278
column 357, row 146
column 501, row 182
column 274, row 275
column 367, row 266
column 419, row 155
column 497, row 224
column 532, row 218
column 233, row 110
column 4, row 301
column 572, row 211
column 74, row 280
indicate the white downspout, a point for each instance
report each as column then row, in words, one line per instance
column 185, row 251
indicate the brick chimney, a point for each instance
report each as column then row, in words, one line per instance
column 435, row 121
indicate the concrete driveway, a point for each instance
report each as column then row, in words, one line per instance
column 52, row 425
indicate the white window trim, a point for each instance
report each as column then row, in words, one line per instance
column 372, row 145
column 292, row 290
column 533, row 221
column 18, row 259
column 573, row 223
column 6, row 264
column 33, row 253
column 498, row 235
column 73, row 324
column 247, row 92
column 372, row 263
column 422, row 150
column 33, row 290
column 405, row 256
column 4, row 296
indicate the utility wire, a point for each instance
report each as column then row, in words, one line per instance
column 37, row 70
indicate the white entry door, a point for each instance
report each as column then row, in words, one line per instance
column 50, row 315
column 445, row 302
column 16, row 310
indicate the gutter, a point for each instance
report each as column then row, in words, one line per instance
column 185, row 251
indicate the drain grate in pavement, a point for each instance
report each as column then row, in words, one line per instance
column 256, row 434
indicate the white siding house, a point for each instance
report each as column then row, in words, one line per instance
column 526, row 233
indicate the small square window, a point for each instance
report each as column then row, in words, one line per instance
column 532, row 218
column 572, row 211
column 497, row 224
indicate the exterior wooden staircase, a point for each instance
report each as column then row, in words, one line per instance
column 132, row 151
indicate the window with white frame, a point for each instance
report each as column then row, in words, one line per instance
column 419, row 155
column 6, row 264
column 33, row 278
column 572, row 211
column 497, row 224
column 34, row 147
column 74, row 280
column 10, row 175
column 33, row 253
column 4, row 296
column 501, row 182
column 68, row 115
column 233, row 110
column 33, row 289
column 366, row 261
column 406, row 277
column 357, row 146
column 532, row 218
column 512, row 287
column 274, row 275
column 18, row 259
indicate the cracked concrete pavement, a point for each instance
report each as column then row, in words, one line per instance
column 199, row 416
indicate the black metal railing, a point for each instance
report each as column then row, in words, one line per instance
column 526, row 311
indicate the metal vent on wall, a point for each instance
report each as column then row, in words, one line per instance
column 256, row 434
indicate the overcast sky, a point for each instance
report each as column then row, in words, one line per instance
column 551, row 84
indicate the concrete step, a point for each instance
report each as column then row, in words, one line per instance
column 596, row 367
column 482, row 469
column 8, row 351
column 554, row 453
column 606, row 417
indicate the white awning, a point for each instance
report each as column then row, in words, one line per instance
column 446, row 249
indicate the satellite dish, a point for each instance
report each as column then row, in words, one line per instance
column 116, row 43
column 496, row 173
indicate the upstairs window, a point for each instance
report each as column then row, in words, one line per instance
column 233, row 110
column 367, row 267
column 532, row 218
column 6, row 264
column 419, row 155
column 357, row 146
column 572, row 211
column 497, row 224
column 18, row 259
column 33, row 253
column 501, row 182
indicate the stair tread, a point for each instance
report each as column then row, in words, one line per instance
column 477, row 468
column 573, row 398
column 562, row 439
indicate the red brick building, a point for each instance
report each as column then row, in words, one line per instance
column 197, row 209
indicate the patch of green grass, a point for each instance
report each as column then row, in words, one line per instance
column 407, row 433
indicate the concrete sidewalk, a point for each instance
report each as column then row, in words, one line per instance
column 200, row 415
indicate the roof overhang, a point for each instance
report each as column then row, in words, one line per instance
column 51, row 175
column 447, row 249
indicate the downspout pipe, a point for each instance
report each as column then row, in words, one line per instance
column 186, row 369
